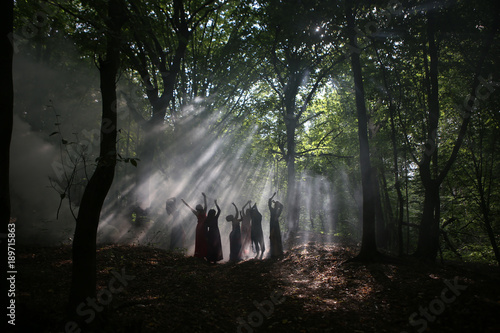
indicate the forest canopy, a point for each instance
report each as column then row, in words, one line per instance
column 241, row 99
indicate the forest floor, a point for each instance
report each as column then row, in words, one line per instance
column 311, row 289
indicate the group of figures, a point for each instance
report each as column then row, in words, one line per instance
column 241, row 239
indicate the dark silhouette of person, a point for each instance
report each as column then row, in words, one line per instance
column 234, row 236
column 177, row 234
column 200, row 244
column 256, row 232
column 275, row 243
column 246, row 231
column 214, row 248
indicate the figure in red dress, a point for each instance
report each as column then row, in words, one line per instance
column 214, row 251
column 200, row 245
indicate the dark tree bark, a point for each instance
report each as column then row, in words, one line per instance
column 428, row 241
column 431, row 177
column 368, row 246
column 148, row 52
column 6, row 116
column 291, row 117
column 83, row 283
column 483, row 173
column 381, row 227
column 397, row 182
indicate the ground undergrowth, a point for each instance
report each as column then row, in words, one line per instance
column 310, row 289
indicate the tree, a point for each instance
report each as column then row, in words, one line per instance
column 156, row 52
column 298, row 48
column 83, row 283
column 368, row 242
column 430, row 175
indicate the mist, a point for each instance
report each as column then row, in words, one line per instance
column 219, row 159
column 40, row 93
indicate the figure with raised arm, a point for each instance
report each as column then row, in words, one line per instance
column 200, row 245
column 234, row 236
column 214, row 246
column 246, row 230
column 256, row 232
column 276, row 245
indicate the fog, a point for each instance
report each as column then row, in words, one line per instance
column 53, row 103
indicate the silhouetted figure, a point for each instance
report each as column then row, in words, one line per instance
column 200, row 245
column 276, row 246
column 246, row 231
column 214, row 248
column 257, row 234
column 234, row 236
column 177, row 234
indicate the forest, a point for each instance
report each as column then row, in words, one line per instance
column 341, row 158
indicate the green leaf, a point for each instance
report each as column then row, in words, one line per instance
column 134, row 162
column 53, row 133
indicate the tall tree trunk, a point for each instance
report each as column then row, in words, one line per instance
column 388, row 213
column 83, row 283
column 290, row 119
column 484, row 180
column 380, row 220
column 368, row 245
column 6, row 116
column 397, row 182
column 293, row 201
column 428, row 241
column 169, row 72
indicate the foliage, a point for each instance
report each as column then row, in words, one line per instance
column 249, row 66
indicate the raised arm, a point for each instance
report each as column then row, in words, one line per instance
column 204, row 201
column 193, row 210
column 243, row 214
column 236, row 213
column 218, row 209
column 270, row 202
column 247, row 204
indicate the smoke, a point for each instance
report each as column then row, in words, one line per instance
column 34, row 202
column 197, row 161
column 200, row 154
column 43, row 96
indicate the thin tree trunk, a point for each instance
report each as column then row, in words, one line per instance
column 290, row 119
column 485, row 191
column 368, row 246
column 159, row 104
column 397, row 182
column 380, row 221
column 83, row 283
column 428, row 241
